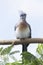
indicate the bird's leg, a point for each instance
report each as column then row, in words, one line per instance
column 24, row 46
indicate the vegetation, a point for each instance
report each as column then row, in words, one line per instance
column 27, row 57
column 6, row 53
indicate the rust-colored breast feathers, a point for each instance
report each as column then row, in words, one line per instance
column 22, row 26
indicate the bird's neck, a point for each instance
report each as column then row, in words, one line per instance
column 22, row 19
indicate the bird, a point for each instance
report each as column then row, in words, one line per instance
column 23, row 30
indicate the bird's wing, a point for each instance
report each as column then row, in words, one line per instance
column 16, row 26
column 30, row 30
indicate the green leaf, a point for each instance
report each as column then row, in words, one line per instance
column 40, row 49
column 28, row 56
column 6, row 50
column 6, row 58
column 12, row 57
column 14, row 52
column 29, row 59
column 14, row 63
column 1, row 49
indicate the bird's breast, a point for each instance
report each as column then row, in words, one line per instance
column 22, row 32
column 22, row 26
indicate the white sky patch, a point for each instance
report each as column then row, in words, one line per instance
column 9, row 15
column 25, row 5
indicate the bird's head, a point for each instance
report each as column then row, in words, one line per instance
column 23, row 15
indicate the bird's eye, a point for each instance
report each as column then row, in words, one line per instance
column 22, row 15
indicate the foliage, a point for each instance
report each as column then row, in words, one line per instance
column 14, row 63
column 27, row 57
column 30, row 59
column 5, row 53
column 40, row 50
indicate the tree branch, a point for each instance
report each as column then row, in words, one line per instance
column 23, row 41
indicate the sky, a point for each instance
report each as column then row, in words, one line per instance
column 9, row 16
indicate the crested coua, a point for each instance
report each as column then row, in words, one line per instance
column 23, row 30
